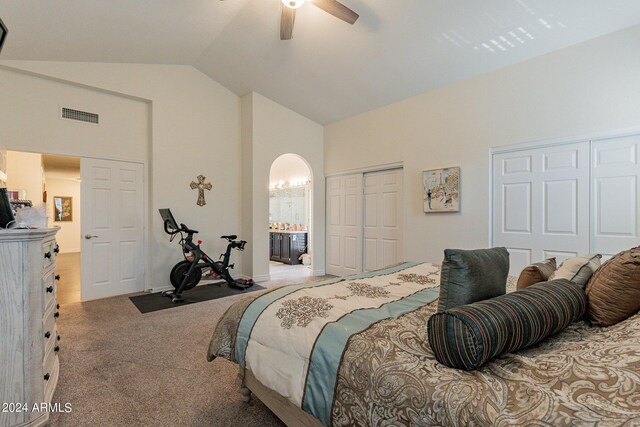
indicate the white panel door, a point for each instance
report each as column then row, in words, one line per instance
column 541, row 203
column 112, row 200
column 383, row 202
column 344, row 224
column 615, row 195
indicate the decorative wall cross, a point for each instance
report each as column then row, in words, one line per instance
column 201, row 186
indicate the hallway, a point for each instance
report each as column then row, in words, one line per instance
column 68, row 288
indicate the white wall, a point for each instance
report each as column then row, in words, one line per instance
column 587, row 88
column 69, row 235
column 270, row 130
column 3, row 167
column 24, row 172
column 286, row 168
column 191, row 124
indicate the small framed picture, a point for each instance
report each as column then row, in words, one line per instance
column 441, row 190
column 62, row 209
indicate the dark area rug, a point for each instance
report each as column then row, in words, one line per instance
column 154, row 302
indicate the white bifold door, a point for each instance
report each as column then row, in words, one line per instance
column 541, row 203
column 112, row 228
column 564, row 200
column 615, row 195
column 364, row 221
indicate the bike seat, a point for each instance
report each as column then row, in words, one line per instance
column 229, row 237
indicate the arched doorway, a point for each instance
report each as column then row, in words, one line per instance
column 290, row 217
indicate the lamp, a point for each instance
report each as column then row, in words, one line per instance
column 293, row 4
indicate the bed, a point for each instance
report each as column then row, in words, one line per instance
column 354, row 352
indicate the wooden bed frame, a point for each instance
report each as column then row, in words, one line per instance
column 290, row 414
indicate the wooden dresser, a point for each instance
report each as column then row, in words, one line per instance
column 29, row 340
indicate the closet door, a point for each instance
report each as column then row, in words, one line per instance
column 615, row 195
column 344, row 224
column 541, row 203
column 382, row 245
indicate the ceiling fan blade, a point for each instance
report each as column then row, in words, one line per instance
column 337, row 9
column 287, row 20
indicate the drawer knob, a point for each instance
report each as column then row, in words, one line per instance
column 57, row 306
column 50, row 289
column 57, row 248
column 58, row 337
column 47, row 334
column 56, row 348
column 47, row 255
column 57, row 277
column 56, row 314
column 46, row 376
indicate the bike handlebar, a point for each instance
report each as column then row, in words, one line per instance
column 187, row 229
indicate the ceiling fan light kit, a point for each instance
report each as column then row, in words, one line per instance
column 293, row 4
column 332, row 7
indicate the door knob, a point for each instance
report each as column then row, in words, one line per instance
column 89, row 236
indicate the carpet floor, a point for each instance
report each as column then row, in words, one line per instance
column 119, row 367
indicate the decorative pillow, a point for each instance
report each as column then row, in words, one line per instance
column 578, row 269
column 472, row 275
column 536, row 273
column 614, row 290
column 469, row 336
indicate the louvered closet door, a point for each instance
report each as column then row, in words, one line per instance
column 344, row 224
column 615, row 195
column 541, row 203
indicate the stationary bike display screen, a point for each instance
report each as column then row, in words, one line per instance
column 168, row 219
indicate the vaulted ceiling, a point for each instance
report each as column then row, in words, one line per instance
column 329, row 70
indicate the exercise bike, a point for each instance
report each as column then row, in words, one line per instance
column 186, row 274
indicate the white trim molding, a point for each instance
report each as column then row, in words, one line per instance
column 375, row 168
column 320, row 272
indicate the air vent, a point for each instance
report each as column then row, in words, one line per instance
column 81, row 116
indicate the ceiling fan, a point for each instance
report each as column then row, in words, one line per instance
column 333, row 7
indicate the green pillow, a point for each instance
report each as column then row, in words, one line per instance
column 468, row 276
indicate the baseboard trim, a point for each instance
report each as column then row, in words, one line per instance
column 321, row 272
column 262, row 278
column 158, row 289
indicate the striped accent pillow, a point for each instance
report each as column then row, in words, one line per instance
column 467, row 337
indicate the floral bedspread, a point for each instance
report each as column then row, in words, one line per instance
column 387, row 375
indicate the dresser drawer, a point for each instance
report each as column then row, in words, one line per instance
column 54, row 371
column 50, row 251
column 52, row 342
column 49, row 289
column 50, row 368
column 49, row 326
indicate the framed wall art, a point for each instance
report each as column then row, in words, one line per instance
column 441, row 190
column 62, row 209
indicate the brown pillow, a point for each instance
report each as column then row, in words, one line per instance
column 614, row 289
column 536, row 273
